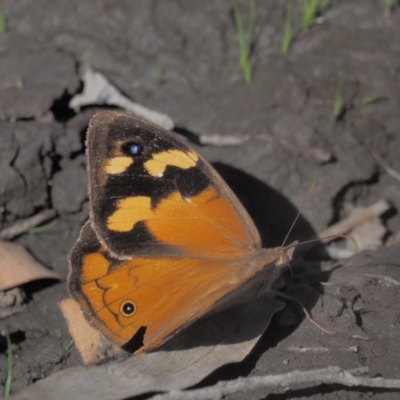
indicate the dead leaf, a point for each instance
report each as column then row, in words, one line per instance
column 190, row 356
column 18, row 267
column 93, row 347
column 354, row 217
column 98, row 90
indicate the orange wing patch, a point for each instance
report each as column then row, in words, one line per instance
column 166, row 294
column 201, row 224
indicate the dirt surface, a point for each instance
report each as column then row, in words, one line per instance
column 181, row 58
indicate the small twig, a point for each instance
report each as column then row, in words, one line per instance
column 328, row 376
column 355, row 219
column 358, row 337
column 383, row 164
column 24, row 225
column 222, row 140
column 351, row 349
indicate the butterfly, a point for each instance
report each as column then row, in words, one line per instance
column 167, row 241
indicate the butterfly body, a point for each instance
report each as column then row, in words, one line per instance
column 166, row 242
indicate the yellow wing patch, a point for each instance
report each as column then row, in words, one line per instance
column 130, row 211
column 117, row 165
column 159, row 162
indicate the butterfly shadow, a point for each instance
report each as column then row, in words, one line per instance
column 260, row 315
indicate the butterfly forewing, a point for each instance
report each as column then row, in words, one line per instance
column 151, row 195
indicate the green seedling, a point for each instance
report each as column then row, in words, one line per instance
column 7, row 386
column 158, row 76
column 369, row 98
column 310, row 10
column 245, row 39
column 19, row 83
column 3, row 22
column 288, row 33
column 389, row 6
column 86, row 55
column 354, row 245
column 338, row 104
column 42, row 228
column 67, row 347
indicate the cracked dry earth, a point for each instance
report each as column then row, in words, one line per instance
column 286, row 112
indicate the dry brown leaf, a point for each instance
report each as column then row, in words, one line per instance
column 226, row 337
column 18, row 267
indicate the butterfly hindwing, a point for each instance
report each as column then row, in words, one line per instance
column 159, row 294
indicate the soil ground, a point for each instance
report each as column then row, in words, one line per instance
column 181, row 58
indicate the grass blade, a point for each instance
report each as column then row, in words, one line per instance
column 389, row 6
column 245, row 38
column 338, row 102
column 288, row 33
column 3, row 22
column 7, row 386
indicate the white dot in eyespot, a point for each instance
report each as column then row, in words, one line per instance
column 134, row 149
column 160, row 175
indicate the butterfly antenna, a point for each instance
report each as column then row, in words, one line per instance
column 303, row 203
column 328, row 238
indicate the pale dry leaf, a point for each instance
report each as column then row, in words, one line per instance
column 355, row 216
column 369, row 235
column 190, row 356
column 98, row 90
column 18, row 267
